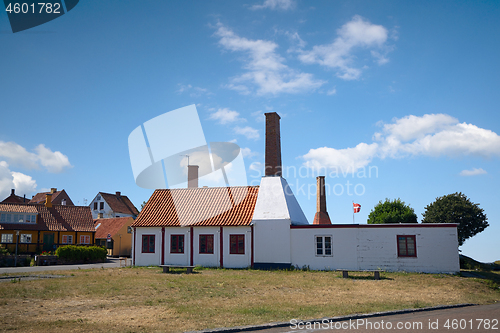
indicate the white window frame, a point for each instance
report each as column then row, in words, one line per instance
column 25, row 238
column 67, row 241
column 83, row 239
column 7, row 238
column 323, row 246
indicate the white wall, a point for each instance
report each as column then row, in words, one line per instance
column 146, row 259
column 178, row 258
column 375, row 247
column 205, row 259
column 272, row 241
column 237, row 260
column 344, row 243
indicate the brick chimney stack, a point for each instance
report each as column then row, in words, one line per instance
column 321, row 216
column 53, row 190
column 273, row 145
column 193, row 176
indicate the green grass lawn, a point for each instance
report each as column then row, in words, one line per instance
column 146, row 300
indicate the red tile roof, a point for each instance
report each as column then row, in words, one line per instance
column 57, row 197
column 111, row 226
column 120, row 204
column 56, row 218
column 211, row 206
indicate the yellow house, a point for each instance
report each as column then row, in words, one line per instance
column 44, row 227
column 120, row 242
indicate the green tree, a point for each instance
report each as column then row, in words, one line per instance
column 143, row 204
column 392, row 212
column 457, row 208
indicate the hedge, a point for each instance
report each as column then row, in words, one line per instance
column 81, row 253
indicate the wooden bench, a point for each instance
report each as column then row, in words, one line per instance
column 166, row 268
column 345, row 272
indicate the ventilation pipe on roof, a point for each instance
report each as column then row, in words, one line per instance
column 193, row 176
column 48, row 200
column 13, row 192
column 53, row 190
column 321, row 216
column 118, row 194
column 273, row 145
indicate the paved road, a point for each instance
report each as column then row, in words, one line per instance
column 480, row 318
column 110, row 262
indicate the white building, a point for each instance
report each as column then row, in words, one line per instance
column 265, row 227
column 106, row 205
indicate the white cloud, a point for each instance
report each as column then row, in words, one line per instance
column 436, row 135
column 54, row 162
column 355, row 34
column 332, row 91
column 428, row 135
column 23, row 184
column 275, row 4
column 225, row 116
column 265, row 68
column 15, row 154
column 247, row 152
column 193, row 91
column 249, row 132
column 473, row 172
column 343, row 160
column 259, row 116
column 18, row 155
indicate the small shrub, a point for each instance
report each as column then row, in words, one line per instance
column 4, row 251
column 81, row 253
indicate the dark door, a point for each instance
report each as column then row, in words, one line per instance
column 48, row 242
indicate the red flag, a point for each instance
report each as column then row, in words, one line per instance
column 356, row 207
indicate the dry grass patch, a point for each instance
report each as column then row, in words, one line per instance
column 146, row 300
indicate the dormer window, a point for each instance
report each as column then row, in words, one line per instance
column 17, row 218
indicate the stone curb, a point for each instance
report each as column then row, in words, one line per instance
column 332, row 319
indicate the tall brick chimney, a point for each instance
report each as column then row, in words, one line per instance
column 273, row 145
column 321, row 216
column 193, row 176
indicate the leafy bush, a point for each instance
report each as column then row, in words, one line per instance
column 81, row 253
column 4, row 250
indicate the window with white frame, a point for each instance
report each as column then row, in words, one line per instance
column 323, row 246
column 25, row 238
column 67, row 239
column 84, row 239
column 7, row 238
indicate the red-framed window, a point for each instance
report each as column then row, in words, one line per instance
column 148, row 243
column 176, row 243
column 84, row 239
column 236, row 244
column 407, row 246
column 206, row 244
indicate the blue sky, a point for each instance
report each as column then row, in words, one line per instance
column 406, row 90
